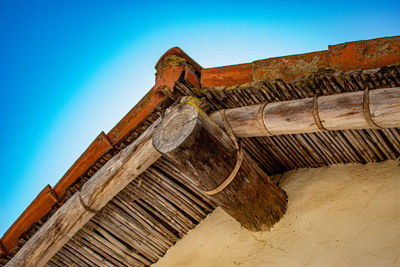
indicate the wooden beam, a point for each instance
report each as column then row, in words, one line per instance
column 336, row 112
column 206, row 154
column 117, row 173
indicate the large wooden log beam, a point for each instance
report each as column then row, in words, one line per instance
column 205, row 153
column 357, row 110
column 94, row 195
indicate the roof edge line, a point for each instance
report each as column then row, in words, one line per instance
column 364, row 54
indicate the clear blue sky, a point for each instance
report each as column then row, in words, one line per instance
column 70, row 69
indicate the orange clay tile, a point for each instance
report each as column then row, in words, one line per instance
column 45, row 200
column 35, row 211
column 176, row 51
column 191, row 78
column 165, row 81
column 2, row 249
column 137, row 114
column 227, row 76
column 342, row 57
column 365, row 54
column 166, row 78
column 289, row 67
column 96, row 149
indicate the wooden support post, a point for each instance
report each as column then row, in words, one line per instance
column 204, row 152
column 379, row 108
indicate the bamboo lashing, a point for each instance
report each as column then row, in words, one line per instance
column 383, row 106
column 316, row 114
column 375, row 109
column 239, row 159
column 85, row 206
column 260, row 119
column 367, row 111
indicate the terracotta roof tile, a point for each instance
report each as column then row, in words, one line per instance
column 227, row 76
column 47, row 197
column 45, row 200
column 289, row 67
column 135, row 116
column 176, row 51
column 344, row 57
column 97, row 148
column 166, row 78
column 367, row 54
column 192, row 78
column 35, row 211
column 2, row 249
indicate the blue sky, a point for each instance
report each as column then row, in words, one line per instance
column 70, row 69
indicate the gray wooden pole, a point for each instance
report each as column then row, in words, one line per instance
column 204, row 152
column 379, row 108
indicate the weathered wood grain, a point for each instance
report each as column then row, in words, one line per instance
column 336, row 112
column 96, row 193
column 205, row 153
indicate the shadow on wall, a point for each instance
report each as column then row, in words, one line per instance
column 346, row 215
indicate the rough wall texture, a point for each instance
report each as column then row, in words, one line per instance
column 338, row 216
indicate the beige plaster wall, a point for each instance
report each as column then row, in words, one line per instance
column 338, row 216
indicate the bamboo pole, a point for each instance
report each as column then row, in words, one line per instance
column 379, row 108
column 115, row 175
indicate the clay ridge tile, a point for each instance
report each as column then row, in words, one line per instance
column 97, row 148
column 176, row 51
column 356, row 55
column 35, row 211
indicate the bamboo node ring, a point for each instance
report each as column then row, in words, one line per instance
column 240, row 156
column 85, row 206
column 260, row 120
column 230, row 178
column 367, row 111
column 316, row 115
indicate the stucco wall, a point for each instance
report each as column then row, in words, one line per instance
column 338, row 216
